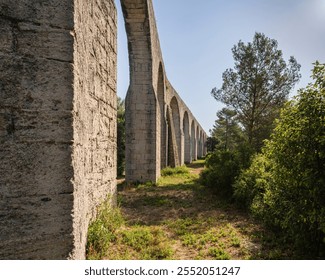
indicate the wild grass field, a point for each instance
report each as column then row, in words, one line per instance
column 179, row 219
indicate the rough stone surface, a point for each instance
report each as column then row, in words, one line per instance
column 155, row 121
column 57, row 123
column 94, row 147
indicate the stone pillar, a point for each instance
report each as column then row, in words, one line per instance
column 143, row 124
column 57, row 123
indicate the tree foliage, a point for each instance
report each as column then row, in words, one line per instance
column 258, row 85
column 222, row 167
column 288, row 189
column 226, row 130
column 211, row 143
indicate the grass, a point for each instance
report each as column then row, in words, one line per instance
column 177, row 218
column 110, row 238
column 180, row 170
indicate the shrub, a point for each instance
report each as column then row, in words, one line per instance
column 285, row 186
column 222, row 167
column 296, row 151
column 252, row 183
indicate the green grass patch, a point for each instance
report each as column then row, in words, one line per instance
column 103, row 231
column 109, row 237
column 157, row 200
column 218, row 253
column 177, row 218
column 170, row 171
column 147, row 243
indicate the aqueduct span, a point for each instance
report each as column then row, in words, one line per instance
column 58, row 119
column 160, row 129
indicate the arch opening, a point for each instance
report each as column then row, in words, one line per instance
column 187, row 139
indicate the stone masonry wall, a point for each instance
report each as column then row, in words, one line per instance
column 57, row 123
column 36, row 202
column 94, row 147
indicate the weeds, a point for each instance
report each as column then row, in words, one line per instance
column 218, row 254
column 169, row 171
column 110, row 238
column 103, row 231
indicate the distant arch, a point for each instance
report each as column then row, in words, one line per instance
column 187, row 140
column 193, row 141
column 162, row 118
column 177, row 124
column 197, row 142
column 200, row 146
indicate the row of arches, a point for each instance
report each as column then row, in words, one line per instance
column 189, row 136
column 160, row 129
column 182, row 138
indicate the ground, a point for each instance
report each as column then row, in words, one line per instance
column 180, row 219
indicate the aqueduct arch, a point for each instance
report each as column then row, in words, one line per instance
column 58, row 119
column 162, row 130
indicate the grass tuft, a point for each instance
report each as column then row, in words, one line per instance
column 110, row 238
column 102, row 231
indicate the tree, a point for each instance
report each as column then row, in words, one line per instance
column 226, row 130
column 297, row 151
column 212, row 142
column 286, row 185
column 258, row 86
column 120, row 136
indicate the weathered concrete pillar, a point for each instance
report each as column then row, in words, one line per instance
column 182, row 160
column 163, row 118
column 57, row 123
column 200, row 150
column 143, row 125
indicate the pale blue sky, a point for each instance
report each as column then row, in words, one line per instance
column 196, row 38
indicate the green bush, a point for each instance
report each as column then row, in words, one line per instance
column 252, row 184
column 222, row 167
column 297, row 153
column 285, row 186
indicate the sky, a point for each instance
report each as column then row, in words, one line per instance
column 196, row 39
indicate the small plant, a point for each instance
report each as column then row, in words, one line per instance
column 103, row 230
column 148, row 243
column 235, row 242
column 189, row 239
column 218, row 254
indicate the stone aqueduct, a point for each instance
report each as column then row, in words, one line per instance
column 160, row 129
column 58, row 119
